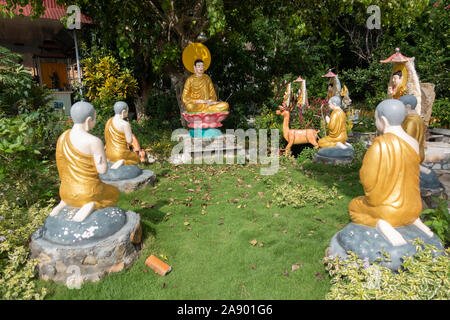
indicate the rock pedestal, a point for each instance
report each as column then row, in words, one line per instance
column 128, row 178
column 208, row 150
column 72, row 253
column 335, row 155
column 368, row 243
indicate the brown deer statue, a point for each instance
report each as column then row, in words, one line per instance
column 296, row 136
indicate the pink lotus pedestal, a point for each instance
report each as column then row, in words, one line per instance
column 204, row 124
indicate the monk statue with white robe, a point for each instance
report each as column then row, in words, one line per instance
column 199, row 94
column 119, row 137
column 337, row 126
column 390, row 177
column 80, row 157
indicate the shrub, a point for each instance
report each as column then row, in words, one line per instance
column 306, row 154
column 424, row 276
column 106, row 83
column 440, row 117
column 438, row 220
column 16, row 83
column 26, row 147
column 298, row 196
column 17, row 271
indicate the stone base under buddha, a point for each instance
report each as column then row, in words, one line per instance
column 72, row 253
column 335, row 155
column 146, row 178
column 368, row 243
column 220, row 149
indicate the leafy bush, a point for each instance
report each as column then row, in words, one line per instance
column 440, row 117
column 26, row 146
column 438, row 220
column 16, row 83
column 424, row 276
column 311, row 116
column 306, row 154
column 298, row 196
column 17, row 271
column 106, row 83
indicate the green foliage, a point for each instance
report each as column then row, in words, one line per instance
column 26, row 145
column 439, row 220
column 106, row 83
column 424, row 276
column 440, row 116
column 297, row 196
column 16, row 83
column 364, row 124
column 306, row 154
column 268, row 119
column 360, row 150
column 17, row 271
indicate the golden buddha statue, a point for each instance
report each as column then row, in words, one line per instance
column 199, row 94
column 118, row 138
column 337, row 125
column 413, row 123
column 80, row 157
column 390, row 177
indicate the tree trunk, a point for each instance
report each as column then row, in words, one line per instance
column 177, row 79
column 141, row 101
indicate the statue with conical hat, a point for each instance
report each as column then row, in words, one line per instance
column 336, row 90
column 404, row 79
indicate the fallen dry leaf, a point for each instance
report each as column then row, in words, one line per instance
column 319, row 276
column 253, row 242
column 260, row 244
column 168, row 213
column 186, row 223
column 283, row 231
column 276, row 215
column 253, row 267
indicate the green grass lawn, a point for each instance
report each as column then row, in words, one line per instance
column 204, row 219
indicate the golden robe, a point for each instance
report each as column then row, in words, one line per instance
column 337, row 130
column 415, row 127
column 117, row 147
column 390, row 177
column 201, row 88
column 80, row 183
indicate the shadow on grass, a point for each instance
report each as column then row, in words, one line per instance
column 344, row 177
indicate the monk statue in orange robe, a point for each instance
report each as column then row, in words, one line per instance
column 337, row 126
column 199, row 94
column 390, row 177
column 80, row 157
column 413, row 123
column 118, row 138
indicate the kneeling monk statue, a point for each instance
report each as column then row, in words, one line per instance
column 199, row 94
column 118, row 138
column 337, row 126
column 390, row 177
column 80, row 157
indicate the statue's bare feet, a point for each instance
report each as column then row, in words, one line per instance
column 84, row 212
column 424, row 169
column 118, row 164
column 392, row 235
column 342, row 145
column 58, row 208
column 420, row 225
